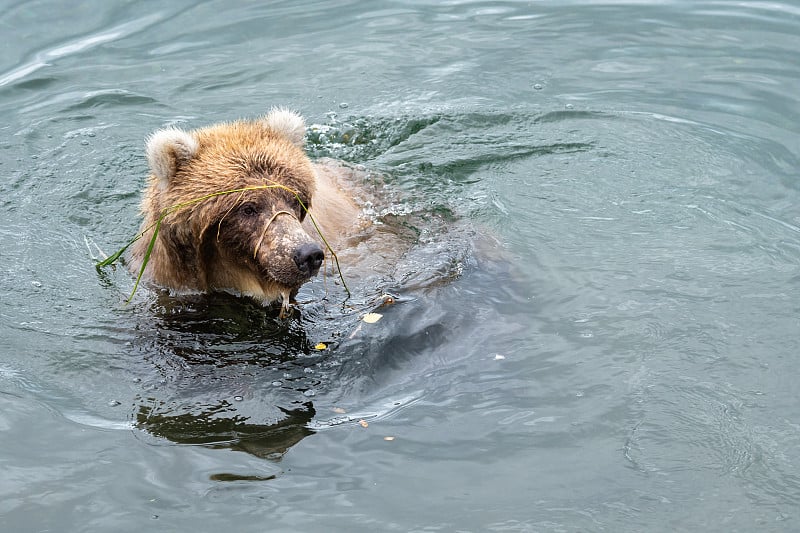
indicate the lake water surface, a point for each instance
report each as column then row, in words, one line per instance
column 596, row 324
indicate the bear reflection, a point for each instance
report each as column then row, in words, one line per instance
column 229, row 372
column 269, row 441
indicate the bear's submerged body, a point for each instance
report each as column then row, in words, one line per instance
column 242, row 209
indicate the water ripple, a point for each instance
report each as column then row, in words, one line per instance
column 44, row 58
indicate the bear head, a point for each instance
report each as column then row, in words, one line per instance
column 250, row 241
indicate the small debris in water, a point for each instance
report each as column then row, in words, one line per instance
column 238, row 398
column 498, row 357
column 320, row 346
column 114, row 403
column 310, row 392
column 371, row 318
column 363, row 423
column 355, row 331
column 338, row 410
column 388, row 438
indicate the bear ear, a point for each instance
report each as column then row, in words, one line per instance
column 167, row 151
column 287, row 123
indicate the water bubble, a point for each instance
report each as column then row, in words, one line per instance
column 344, row 105
column 569, row 106
column 309, row 392
column 537, row 86
column 238, row 398
column 276, row 383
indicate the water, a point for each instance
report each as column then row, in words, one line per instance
column 597, row 319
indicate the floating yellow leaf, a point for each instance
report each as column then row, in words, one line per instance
column 363, row 423
column 371, row 318
column 320, row 346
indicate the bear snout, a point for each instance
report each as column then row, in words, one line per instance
column 308, row 258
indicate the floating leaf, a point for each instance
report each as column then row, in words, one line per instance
column 371, row 318
column 320, row 346
column 363, row 423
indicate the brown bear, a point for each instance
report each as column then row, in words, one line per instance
column 258, row 241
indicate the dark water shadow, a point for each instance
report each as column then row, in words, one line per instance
column 227, row 373
column 269, row 441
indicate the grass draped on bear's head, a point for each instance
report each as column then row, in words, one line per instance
column 183, row 205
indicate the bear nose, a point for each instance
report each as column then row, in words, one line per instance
column 308, row 258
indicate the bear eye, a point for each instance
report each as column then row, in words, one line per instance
column 249, row 210
column 301, row 212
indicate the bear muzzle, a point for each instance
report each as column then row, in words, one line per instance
column 288, row 256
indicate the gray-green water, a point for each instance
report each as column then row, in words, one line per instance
column 626, row 360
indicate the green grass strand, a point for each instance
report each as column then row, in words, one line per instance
column 173, row 208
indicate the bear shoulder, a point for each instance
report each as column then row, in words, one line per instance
column 336, row 210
